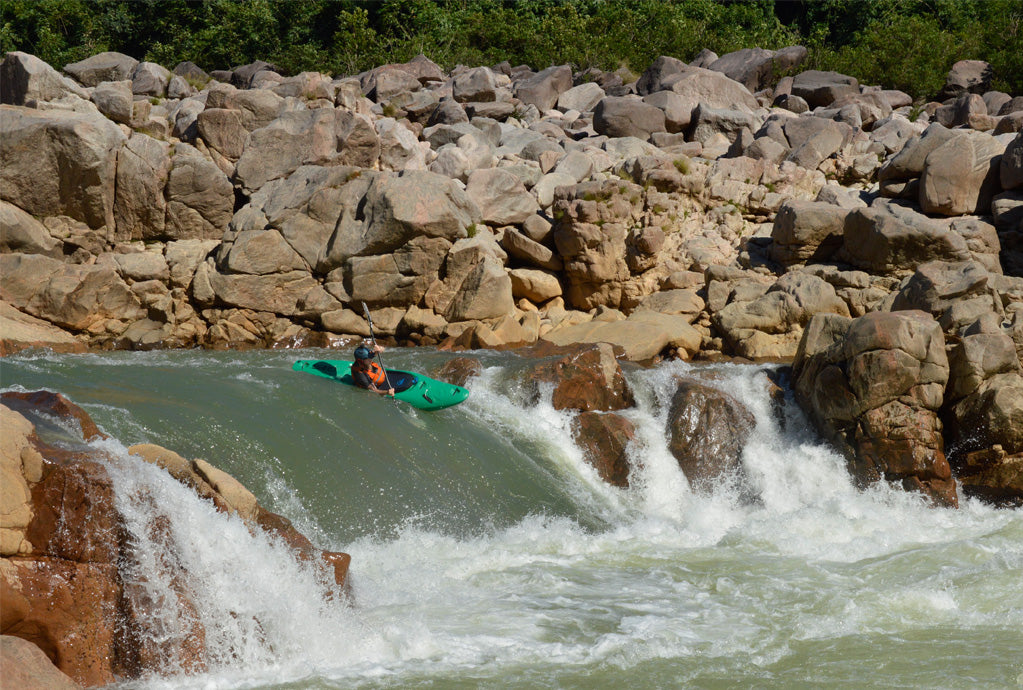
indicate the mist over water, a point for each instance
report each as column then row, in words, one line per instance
column 488, row 553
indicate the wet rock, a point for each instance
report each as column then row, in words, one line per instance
column 604, row 438
column 585, row 377
column 707, row 431
column 873, row 386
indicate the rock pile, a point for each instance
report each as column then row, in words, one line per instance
column 700, row 210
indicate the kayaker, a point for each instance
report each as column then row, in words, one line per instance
column 369, row 374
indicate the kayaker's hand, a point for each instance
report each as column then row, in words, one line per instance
column 390, row 392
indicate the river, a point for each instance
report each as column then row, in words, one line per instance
column 486, row 553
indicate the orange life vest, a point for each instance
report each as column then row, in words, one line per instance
column 375, row 372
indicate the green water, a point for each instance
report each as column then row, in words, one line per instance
column 486, row 553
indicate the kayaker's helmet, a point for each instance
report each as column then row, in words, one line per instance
column 362, row 352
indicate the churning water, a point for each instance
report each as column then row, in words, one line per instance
column 487, row 553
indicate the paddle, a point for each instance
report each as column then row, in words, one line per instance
column 365, row 310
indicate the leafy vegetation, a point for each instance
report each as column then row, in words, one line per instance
column 904, row 44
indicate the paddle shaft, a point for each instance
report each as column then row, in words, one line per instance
column 365, row 309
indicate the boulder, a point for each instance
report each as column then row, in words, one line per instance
column 706, row 121
column 476, row 285
column 582, row 98
column 909, row 162
column 59, row 163
column 814, row 139
column 27, row 667
column 1011, row 165
column 820, row 88
column 873, row 386
column 889, row 237
column 108, row 66
column 501, row 197
column 643, row 336
column 25, row 78
column 713, row 88
column 323, row 136
column 143, row 170
column 961, row 176
column 399, row 208
column 604, row 438
column 475, row 85
column 653, row 78
column 627, row 117
column 399, row 278
column 756, row 68
column 19, row 331
column 73, row 296
column 587, row 378
column 279, row 293
column 21, row 233
column 543, row 88
column 200, row 198
column 807, row 232
column 955, row 293
column 966, row 76
column 536, row 286
column 707, row 431
column 150, row 79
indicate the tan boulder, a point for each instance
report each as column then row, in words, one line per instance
column 58, row 162
column 962, row 175
column 26, row 667
column 140, row 209
column 72, row 296
column 200, row 198
column 19, row 331
column 642, row 336
column 25, row 78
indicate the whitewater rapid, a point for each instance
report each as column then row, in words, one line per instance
column 488, row 553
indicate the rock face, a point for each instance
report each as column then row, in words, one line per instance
column 64, row 548
column 874, row 386
column 707, row 431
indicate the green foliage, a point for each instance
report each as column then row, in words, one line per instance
column 905, row 44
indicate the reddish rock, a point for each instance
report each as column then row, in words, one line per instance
column 585, row 377
column 459, row 370
column 604, row 437
column 56, row 405
column 994, row 476
column 707, row 430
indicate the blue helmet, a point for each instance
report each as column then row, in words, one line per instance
column 363, row 352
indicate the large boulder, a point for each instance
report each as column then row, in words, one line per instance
column 140, row 206
column 25, row 78
column 476, row 285
column 627, row 117
column 200, row 197
column 543, row 88
column 73, row 296
column 643, row 336
column 323, row 136
column 397, row 209
column 819, row 88
column 967, row 76
column 59, row 163
column 874, row 386
column 584, row 377
column 19, row 331
column 710, row 87
column 707, row 431
column 108, row 66
column 962, row 175
column 604, row 438
column 500, row 196
column 890, row 237
column 807, row 232
column 956, row 293
column 756, row 68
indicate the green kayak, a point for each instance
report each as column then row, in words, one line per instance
column 415, row 389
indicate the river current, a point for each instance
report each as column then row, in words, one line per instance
column 486, row 553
